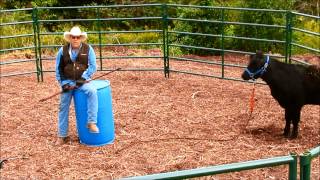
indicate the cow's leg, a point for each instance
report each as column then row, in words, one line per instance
column 295, row 121
column 286, row 131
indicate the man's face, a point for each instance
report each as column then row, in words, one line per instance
column 75, row 41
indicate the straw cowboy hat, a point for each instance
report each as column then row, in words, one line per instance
column 75, row 31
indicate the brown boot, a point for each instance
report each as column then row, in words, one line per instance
column 93, row 128
column 62, row 140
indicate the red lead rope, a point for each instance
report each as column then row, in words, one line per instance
column 251, row 107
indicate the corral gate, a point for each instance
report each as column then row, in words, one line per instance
column 35, row 40
column 291, row 160
column 36, row 43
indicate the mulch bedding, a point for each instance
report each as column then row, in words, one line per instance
column 161, row 125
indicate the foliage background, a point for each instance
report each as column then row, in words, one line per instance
column 304, row 6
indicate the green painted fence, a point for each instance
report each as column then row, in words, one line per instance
column 37, row 34
column 306, row 161
column 290, row 160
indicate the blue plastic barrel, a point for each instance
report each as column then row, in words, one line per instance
column 105, row 116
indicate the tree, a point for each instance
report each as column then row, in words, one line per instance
column 262, row 17
column 308, row 6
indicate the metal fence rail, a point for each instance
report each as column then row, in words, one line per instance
column 25, row 47
column 163, row 18
column 306, row 161
column 290, row 160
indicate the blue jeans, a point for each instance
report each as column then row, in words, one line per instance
column 65, row 100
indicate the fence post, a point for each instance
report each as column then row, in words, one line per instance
column 39, row 45
column 100, row 41
column 222, row 42
column 35, row 41
column 293, row 167
column 288, row 36
column 165, row 39
column 305, row 166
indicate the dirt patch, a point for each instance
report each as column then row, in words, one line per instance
column 161, row 125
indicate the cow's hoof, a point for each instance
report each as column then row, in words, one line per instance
column 286, row 134
column 293, row 136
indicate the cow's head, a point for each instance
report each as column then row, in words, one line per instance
column 258, row 64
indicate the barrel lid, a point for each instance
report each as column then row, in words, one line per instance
column 99, row 84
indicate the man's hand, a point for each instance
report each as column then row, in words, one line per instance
column 80, row 82
column 67, row 87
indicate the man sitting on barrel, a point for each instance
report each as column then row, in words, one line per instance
column 75, row 65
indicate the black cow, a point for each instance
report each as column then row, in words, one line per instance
column 292, row 85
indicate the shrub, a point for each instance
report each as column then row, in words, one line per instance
column 306, row 39
column 198, row 27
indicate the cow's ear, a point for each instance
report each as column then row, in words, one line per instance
column 259, row 54
column 251, row 56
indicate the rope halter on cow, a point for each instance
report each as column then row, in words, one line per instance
column 260, row 71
